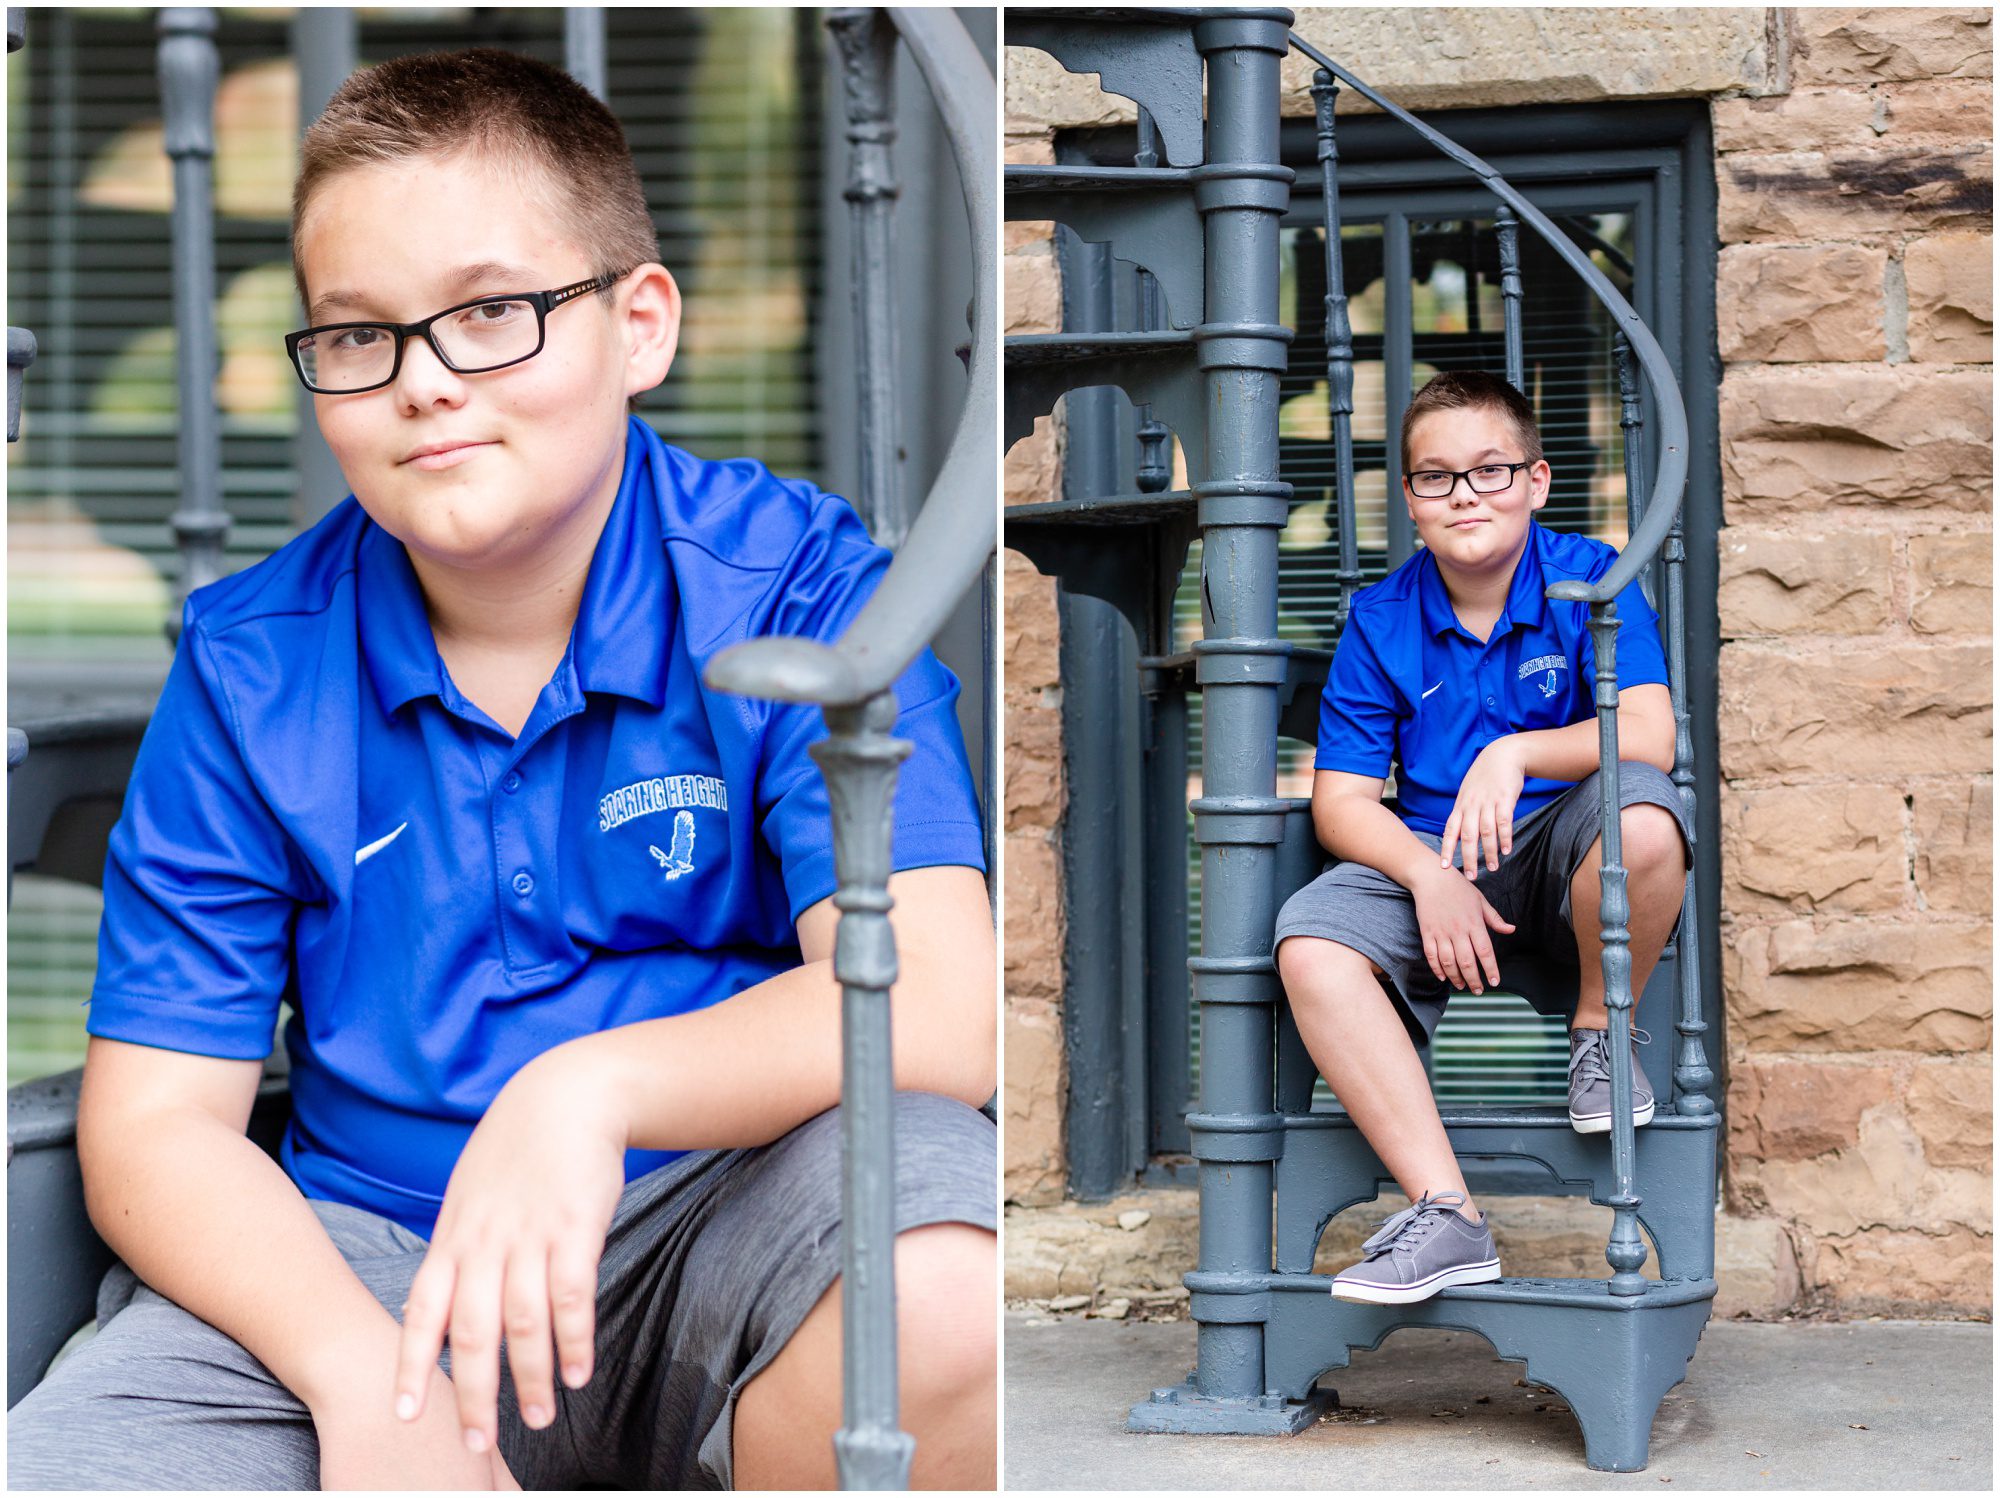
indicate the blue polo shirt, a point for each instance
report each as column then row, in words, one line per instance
column 1412, row 685
column 317, row 815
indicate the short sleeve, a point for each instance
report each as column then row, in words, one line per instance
column 833, row 573
column 1640, row 659
column 1358, row 710
column 201, row 886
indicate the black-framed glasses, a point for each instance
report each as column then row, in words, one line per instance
column 1487, row 478
column 475, row 337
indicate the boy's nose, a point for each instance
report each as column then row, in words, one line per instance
column 424, row 377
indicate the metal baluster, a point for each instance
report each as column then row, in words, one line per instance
column 1626, row 1251
column 583, row 47
column 20, row 354
column 324, row 50
column 859, row 761
column 1693, row 1079
column 189, row 69
column 1339, row 349
column 867, row 44
column 1155, row 470
column 1509, row 230
column 1632, row 421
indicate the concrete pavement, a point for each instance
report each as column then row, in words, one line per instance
column 1903, row 1405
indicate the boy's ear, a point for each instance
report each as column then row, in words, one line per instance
column 1539, row 478
column 652, row 317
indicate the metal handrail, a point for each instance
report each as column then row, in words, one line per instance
column 1671, row 479
column 955, row 532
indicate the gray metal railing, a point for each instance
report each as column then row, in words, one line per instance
column 944, row 553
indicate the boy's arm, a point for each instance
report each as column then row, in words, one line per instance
column 207, row 1219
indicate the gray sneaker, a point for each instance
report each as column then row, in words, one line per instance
column 1420, row 1251
column 1590, row 1082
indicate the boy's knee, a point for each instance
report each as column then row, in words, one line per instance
column 946, row 1281
column 1652, row 839
column 1301, row 959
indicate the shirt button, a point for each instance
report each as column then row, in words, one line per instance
column 512, row 783
column 524, row 884
column 1489, row 702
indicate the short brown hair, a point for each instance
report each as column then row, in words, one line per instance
column 1474, row 389
column 522, row 112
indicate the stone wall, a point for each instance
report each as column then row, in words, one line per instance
column 1854, row 313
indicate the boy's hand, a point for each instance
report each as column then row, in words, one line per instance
column 361, row 1446
column 1483, row 814
column 1453, row 917
column 516, row 1249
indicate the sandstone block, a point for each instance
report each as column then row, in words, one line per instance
column 1912, row 436
column 1950, row 279
column 1781, row 1109
column 1034, row 147
column 1077, row 1248
column 1791, row 582
column 1032, row 653
column 1874, row 44
column 1950, row 1104
column 1039, row 95
column 1033, row 292
column 1887, row 1271
column 1793, row 303
column 1756, row 1271
column 1951, row 578
column 1806, row 848
column 1034, row 766
column 1892, row 187
column 1953, row 823
column 1032, row 1164
column 1958, row 111
column 1894, row 707
column 1028, row 236
column 1881, row 1181
column 1860, row 985
column 1032, row 929
column 1032, row 470
column 1804, row 119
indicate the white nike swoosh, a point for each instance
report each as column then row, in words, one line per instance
column 362, row 855
column 1433, row 689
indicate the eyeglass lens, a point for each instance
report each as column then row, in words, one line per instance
column 1435, row 484
column 472, row 339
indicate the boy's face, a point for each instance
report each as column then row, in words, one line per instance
column 535, row 445
column 1468, row 533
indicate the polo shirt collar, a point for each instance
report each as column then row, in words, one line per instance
column 618, row 643
column 1526, row 603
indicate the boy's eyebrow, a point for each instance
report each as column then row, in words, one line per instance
column 1477, row 458
column 454, row 282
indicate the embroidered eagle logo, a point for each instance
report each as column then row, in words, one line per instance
column 679, row 857
column 1549, row 687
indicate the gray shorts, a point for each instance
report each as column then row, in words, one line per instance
column 1364, row 909
column 711, row 1263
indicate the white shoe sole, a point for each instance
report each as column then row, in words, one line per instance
column 1424, row 1289
column 1601, row 1123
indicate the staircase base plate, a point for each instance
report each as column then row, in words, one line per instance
column 1180, row 1410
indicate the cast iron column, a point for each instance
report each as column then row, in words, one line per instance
column 1236, row 1133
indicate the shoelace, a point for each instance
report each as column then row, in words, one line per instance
column 1593, row 1057
column 1411, row 1226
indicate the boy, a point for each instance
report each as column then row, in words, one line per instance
column 1458, row 669
column 443, row 773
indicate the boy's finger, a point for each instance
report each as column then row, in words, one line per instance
column 1468, row 965
column 526, row 1318
column 1450, row 837
column 1493, row 917
column 573, row 1298
column 1489, row 837
column 1484, row 947
column 475, row 1351
column 1431, row 956
column 425, row 1314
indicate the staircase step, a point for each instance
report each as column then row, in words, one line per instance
column 1147, row 16
column 1040, row 350
column 1105, row 510
column 1091, row 179
column 1585, row 1293
column 1499, row 1117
